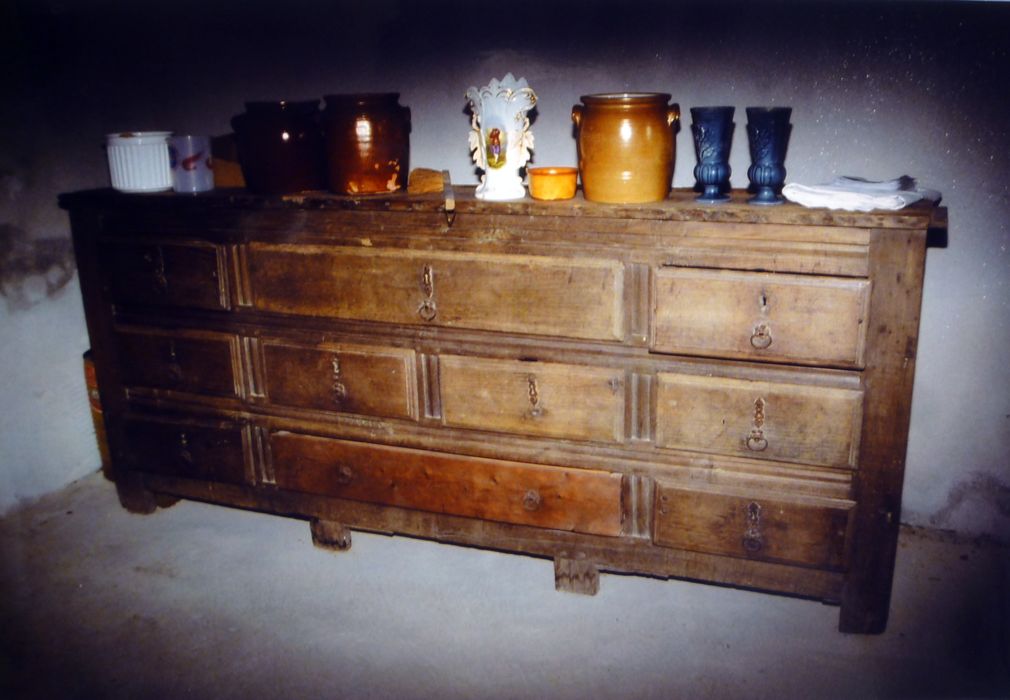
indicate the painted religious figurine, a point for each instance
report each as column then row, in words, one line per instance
column 500, row 138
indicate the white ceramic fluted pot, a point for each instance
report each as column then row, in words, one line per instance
column 139, row 162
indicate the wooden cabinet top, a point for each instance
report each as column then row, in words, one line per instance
column 679, row 206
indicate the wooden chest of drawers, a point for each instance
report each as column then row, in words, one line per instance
column 714, row 393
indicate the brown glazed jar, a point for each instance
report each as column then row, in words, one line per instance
column 627, row 146
column 367, row 143
column 280, row 146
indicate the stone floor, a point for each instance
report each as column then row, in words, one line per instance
column 209, row 602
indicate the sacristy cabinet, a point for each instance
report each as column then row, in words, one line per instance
column 712, row 393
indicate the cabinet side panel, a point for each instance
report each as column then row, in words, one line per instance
column 897, row 262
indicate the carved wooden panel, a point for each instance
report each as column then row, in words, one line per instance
column 191, row 274
column 533, row 398
column 179, row 360
column 773, row 317
column 553, row 497
column 578, row 298
column 346, row 378
column 187, row 448
column 796, row 530
column 760, row 419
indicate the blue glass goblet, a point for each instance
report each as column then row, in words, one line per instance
column 768, row 129
column 713, row 135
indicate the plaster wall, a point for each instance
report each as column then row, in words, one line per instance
column 878, row 90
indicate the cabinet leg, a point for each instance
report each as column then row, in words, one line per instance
column 327, row 534
column 134, row 496
column 165, row 500
column 862, row 612
column 575, row 574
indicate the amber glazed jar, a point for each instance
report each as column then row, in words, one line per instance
column 367, row 143
column 280, row 147
column 627, row 146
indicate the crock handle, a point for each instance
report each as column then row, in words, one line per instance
column 577, row 116
column 672, row 114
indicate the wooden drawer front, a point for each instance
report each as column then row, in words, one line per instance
column 766, row 420
column 512, row 492
column 347, row 378
column 206, row 451
column 775, row 317
column 190, row 361
column 805, row 531
column 510, row 293
column 166, row 274
column 533, row 398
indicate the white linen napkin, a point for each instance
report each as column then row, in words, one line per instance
column 857, row 194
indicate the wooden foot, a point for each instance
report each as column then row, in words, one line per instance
column 165, row 500
column 327, row 534
column 134, row 496
column 864, row 614
column 575, row 574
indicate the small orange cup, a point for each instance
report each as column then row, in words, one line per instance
column 553, row 183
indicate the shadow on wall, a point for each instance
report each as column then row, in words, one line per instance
column 979, row 493
column 31, row 270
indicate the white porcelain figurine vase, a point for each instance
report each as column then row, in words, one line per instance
column 500, row 137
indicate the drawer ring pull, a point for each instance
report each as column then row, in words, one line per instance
column 345, row 475
column 175, row 373
column 761, row 338
column 756, row 441
column 753, row 540
column 532, row 500
column 427, row 310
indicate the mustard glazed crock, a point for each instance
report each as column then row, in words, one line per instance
column 627, row 146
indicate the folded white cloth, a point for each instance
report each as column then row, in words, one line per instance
column 856, row 194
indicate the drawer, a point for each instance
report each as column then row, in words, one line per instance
column 766, row 420
column 533, row 398
column 209, row 451
column 558, row 498
column 179, row 360
column 375, row 381
column 774, row 317
column 578, row 298
column 806, row 531
column 166, row 274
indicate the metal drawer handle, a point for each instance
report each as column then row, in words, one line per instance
column 157, row 262
column 762, row 336
column 756, row 441
column 174, row 369
column 338, row 386
column 753, row 540
column 345, row 475
column 184, row 454
column 533, row 392
column 427, row 310
column 532, row 500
